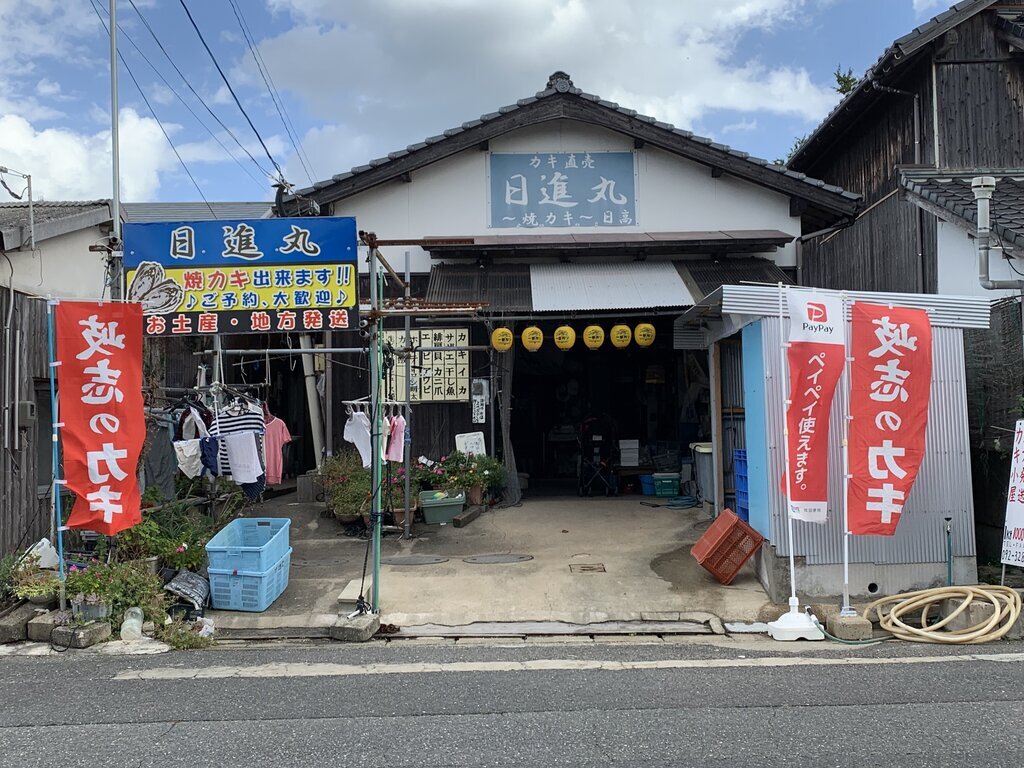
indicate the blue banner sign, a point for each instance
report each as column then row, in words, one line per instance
column 562, row 189
column 243, row 276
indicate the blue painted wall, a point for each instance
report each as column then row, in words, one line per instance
column 757, row 431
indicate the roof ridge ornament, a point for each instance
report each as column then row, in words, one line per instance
column 560, row 81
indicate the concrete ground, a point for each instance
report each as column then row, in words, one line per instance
column 648, row 572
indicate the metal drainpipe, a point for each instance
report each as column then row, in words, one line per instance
column 983, row 188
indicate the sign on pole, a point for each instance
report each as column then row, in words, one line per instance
column 99, row 354
column 1013, row 530
column 890, row 386
column 816, row 356
column 244, row 276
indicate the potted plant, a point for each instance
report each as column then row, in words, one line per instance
column 87, row 607
column 347, row 486
column 37, row 586
column 143, row 543
column 394, row 498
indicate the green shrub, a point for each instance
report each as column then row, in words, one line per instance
column 346, row 483
column 121, row 586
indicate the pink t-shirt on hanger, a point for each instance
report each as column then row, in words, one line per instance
column 276, row 436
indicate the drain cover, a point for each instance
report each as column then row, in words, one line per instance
column 587, row 568
column 413, row 560
column 492, row 559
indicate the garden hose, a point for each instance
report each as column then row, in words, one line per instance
column 891, row 611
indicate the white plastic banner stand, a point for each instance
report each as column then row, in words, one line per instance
column 792, row 625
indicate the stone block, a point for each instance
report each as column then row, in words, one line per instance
column 1017, row 630
column 358, row 629
column 84, row 636
column 978, row 612
column 771, row 611
column 14, row 624
column 849, row 627
column 349, row 595
column 40, row 627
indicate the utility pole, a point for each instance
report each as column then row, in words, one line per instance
column 116, row 246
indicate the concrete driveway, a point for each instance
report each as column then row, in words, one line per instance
column 592, row 560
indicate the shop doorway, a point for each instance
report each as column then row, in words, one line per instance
column 570, row 410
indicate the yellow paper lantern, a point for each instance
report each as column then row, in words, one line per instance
column 565, row 337
column 621, row 335
column 533, row 337
column 593, row 336
column 644, row 335
column 501, row 339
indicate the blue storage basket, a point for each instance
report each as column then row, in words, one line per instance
column 647, row 485
column 741, row 483
column 739, row 460
column 236, row 590
column 251, row 544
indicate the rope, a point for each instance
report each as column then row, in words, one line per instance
column 891, row 611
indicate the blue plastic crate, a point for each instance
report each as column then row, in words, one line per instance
column 647, row 485
column 235, row 590
column 739, row 460
column 250, row 544
column 741, row 483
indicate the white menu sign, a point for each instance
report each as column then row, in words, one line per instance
column 1013, row 531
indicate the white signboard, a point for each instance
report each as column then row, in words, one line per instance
column 436, row 376
column 480, row 392
column 1013, row 531
column 471, row 443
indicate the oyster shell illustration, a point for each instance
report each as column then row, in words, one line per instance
column 151, row 288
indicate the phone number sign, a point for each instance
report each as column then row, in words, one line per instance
column 243, row 276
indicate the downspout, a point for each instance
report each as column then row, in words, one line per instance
column 983, row 187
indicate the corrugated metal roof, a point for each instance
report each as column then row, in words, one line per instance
column 708, row 276
column 633, row 285
column 943, row 310
column 142, row 212
column 505, row 287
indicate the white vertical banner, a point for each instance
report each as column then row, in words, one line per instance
column 1013, row 531
column 816, row 355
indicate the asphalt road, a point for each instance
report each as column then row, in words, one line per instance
column 737, row 703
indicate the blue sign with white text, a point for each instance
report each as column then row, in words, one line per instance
column 562, row 189
column 243, row 276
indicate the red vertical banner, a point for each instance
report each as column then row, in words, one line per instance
column 99, row 354
column 890, row 386
column 816, row 356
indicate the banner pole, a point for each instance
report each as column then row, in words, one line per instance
column 846, row 609
column 784, row 381
column 55, row 501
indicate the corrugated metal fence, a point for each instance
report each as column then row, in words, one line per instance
column 942, row 489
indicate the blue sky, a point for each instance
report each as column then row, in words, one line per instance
column 361, row 79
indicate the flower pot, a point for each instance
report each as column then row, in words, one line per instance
column 43, row 599
column 86, row 612
column 475, row 495
column 147, row 564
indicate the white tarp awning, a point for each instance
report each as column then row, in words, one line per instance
column 631, row 285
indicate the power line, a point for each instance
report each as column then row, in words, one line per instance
column 268, row 81
column 231, row 90
column 185, row 80
column 191, row 111
column 153, row 113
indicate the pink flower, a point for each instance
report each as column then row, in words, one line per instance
column 180, row 549
column 74, row 568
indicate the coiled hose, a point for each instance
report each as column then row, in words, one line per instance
column 891, row 611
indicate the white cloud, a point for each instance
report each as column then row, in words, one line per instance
column 67, row 164
column 743, row 126
column 47, row 87
column 920, row 6
column 161, row 94
column 389, row 74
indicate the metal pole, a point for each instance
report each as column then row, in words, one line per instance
column 408, row 406
column 55, row 506
column 31, row 213
column 115, row 151
column 316, row 423
column 846, row 609
column 374, row 329
column 794, row 603
column 328, row 399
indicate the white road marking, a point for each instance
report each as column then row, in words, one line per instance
column 537, row 665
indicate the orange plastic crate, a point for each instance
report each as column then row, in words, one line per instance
column 726, row 546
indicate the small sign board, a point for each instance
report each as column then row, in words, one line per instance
column 1013, row 530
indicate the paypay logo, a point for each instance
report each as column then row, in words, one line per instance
column 816, row 313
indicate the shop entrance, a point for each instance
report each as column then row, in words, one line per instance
column 571, row 409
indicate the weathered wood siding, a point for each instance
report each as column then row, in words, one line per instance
column 24, row 517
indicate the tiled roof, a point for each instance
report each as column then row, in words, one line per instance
column 51, row 219
column 561, row 87
column 897, row 54
column 948, row 194
column 141, row 212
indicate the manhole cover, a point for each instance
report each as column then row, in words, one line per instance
column 587, row 568
column 493, row 559
column 413, row 560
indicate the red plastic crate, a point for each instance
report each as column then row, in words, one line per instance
column 726, row 546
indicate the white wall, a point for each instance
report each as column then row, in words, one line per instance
column 958, row 265
column 673, row 194
column 61, row 267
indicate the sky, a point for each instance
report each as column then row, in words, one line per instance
column 356, row 79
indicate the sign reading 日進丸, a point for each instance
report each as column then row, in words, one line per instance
column 562, row 189
column 243, row 276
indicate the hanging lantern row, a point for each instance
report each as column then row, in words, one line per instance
column 564, row 337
